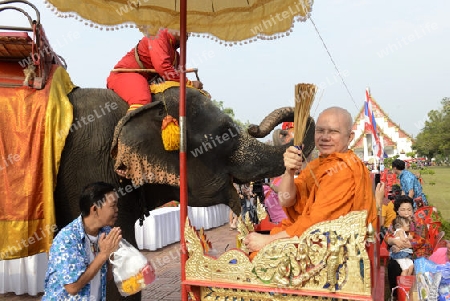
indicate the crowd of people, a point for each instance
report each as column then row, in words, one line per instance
column 406, row 235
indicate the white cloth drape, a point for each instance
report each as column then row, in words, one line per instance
column 161, row 228
column 23, row 275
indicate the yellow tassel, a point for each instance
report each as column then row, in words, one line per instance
column 170, row 133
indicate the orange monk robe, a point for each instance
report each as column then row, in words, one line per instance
column 328, row 188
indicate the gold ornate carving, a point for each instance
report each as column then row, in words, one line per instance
column 260, row 210
column 225, row 294
column 244, row 227
column 329, row 257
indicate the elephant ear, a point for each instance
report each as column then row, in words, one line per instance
column 120, row 152
column 125, row 119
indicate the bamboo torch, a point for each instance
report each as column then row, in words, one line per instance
column 304, row 97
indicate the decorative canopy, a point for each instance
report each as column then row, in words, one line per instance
column 227, row 20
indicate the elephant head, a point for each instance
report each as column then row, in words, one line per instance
column 218, row 151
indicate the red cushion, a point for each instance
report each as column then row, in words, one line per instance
column 15, row 34
column 405, row 283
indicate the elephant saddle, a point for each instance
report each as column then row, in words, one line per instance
column 34, row 125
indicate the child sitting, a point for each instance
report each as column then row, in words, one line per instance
column 403, row 257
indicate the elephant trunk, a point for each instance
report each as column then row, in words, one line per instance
column 254, row 160
column 271, row 121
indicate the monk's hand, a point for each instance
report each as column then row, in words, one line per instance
column 256, row 241
column 109, row 243
column 379, row 194
column 293, row 158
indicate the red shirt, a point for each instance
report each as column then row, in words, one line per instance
column 155, row 52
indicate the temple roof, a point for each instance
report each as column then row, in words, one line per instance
column 387, row 141
column 379, row 112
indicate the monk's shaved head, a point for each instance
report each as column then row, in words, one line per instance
column 346, row 117
column 333, row 131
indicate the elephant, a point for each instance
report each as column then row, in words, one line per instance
column 126, row 150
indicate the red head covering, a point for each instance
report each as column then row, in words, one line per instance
column 287, row 125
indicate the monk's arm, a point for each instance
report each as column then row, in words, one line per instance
column 287, row 191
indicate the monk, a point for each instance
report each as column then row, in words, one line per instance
column 328, row 187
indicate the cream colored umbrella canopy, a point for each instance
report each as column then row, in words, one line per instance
column 226, row 20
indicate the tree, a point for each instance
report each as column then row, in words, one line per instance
column 230, row 112
column 411, row 154
column 388, row 161
column 434, row 139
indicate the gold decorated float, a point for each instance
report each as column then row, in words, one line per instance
column 329, row 260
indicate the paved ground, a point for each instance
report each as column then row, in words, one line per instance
column 167, row 265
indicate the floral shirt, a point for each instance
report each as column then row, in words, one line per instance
column 68, row 259
column 409, row 181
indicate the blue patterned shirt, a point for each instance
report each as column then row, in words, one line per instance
column 68, row 259
column 409, row 181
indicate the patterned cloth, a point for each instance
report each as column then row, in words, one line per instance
column 403, row 253
column 67, row 261
column 421, row 247
column 409, row 181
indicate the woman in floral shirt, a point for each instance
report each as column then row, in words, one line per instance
column 79, row 254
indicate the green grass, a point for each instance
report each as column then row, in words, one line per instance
column 437, row 189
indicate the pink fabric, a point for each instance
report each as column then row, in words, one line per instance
column 439, row 256
column 272, row 204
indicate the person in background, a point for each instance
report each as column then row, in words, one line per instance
column 403, row 256
column 248, row 201
column 78, row 258
column 403, row 206
column 233, row 218
column 409, row 184
column 387, row 214
column 271, row 202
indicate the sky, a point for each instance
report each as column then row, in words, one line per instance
column 400, row 50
